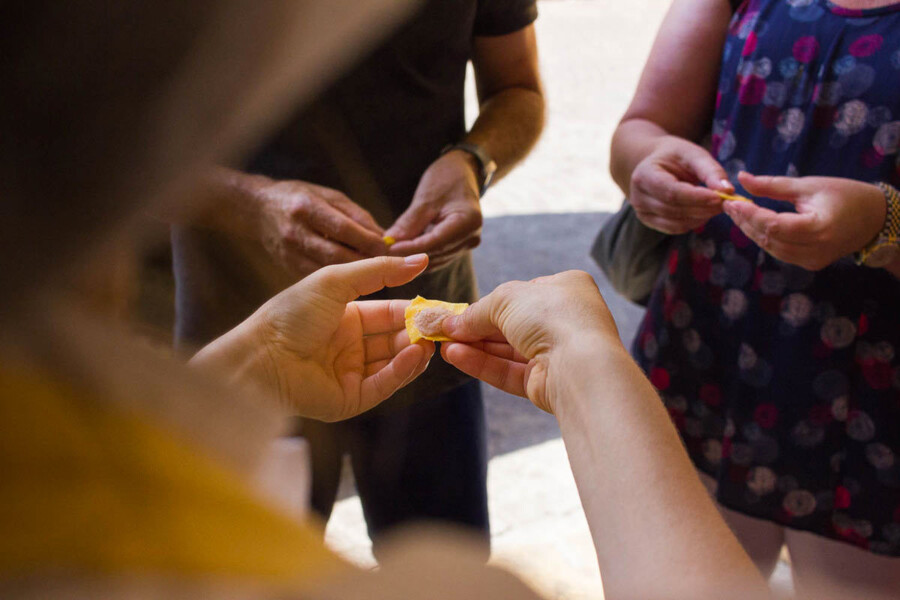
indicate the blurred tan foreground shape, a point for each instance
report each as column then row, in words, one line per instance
column 125, row 475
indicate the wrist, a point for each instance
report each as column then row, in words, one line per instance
column 674, row 142
column 238, row 357
column 461, row 169
column 580, row 369
column 474, row 167
column 261, row 197
column 240, row 199
column 603, row 385
column 477, row 156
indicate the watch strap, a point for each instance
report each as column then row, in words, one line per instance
column 486, row 164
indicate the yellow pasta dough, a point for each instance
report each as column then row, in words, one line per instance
column 736, row 197
column 389, row 240
column 425, row 317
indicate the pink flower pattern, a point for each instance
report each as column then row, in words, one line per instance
column 785, row 384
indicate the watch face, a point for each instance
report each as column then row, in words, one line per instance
column 883, row 256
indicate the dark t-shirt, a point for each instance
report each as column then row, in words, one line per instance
column 374, row 132
column 370, row 135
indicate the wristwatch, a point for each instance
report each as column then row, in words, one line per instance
column 487, row 166
column 885, row 248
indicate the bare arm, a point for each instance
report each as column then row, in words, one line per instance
column 677, row 89
column 444, row 218
column 668, row 178
column 302, row 225
column 511, row 115
column 656, row 531
column 219, row 200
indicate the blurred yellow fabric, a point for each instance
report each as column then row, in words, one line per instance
column 85, row 487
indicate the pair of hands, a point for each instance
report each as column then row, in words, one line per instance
column 327, row 357
column 834, row 217
column 306, row 227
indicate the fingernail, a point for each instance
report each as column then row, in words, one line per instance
column 726, row 184
column 415, row 259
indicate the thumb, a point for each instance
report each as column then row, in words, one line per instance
column 710, row 172
column 768, row 186
column 346, row 282
column 477, row 322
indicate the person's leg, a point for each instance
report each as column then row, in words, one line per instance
column 424, row 462
column 326, row 448
column 825, row 569
column 762, row 540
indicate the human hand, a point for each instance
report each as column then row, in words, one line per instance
column 666, row 190
column 513, row 337
column 306, row 227
column 835, row 217
column 444, row 218
column 324, row 356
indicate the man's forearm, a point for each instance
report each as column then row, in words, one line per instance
column 656, row 531
column 508, row 126
column 230, row 202
column 224, row 200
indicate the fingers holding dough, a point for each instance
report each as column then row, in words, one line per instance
column 424, row 318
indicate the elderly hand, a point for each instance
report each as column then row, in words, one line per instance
column 444, row 218
column 305, row 227
column 665, row 187
column 324, row 356
column 513, row 337
column 835, row 217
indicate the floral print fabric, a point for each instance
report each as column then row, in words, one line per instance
column 785, row 384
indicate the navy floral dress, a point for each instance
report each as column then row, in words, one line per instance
column 785, row 384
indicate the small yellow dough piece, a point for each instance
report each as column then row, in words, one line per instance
column 389, row 240
column 736, row 197
column 424, row 318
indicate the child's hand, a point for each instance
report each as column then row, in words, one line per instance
column 667, row 190
column 835, row 217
